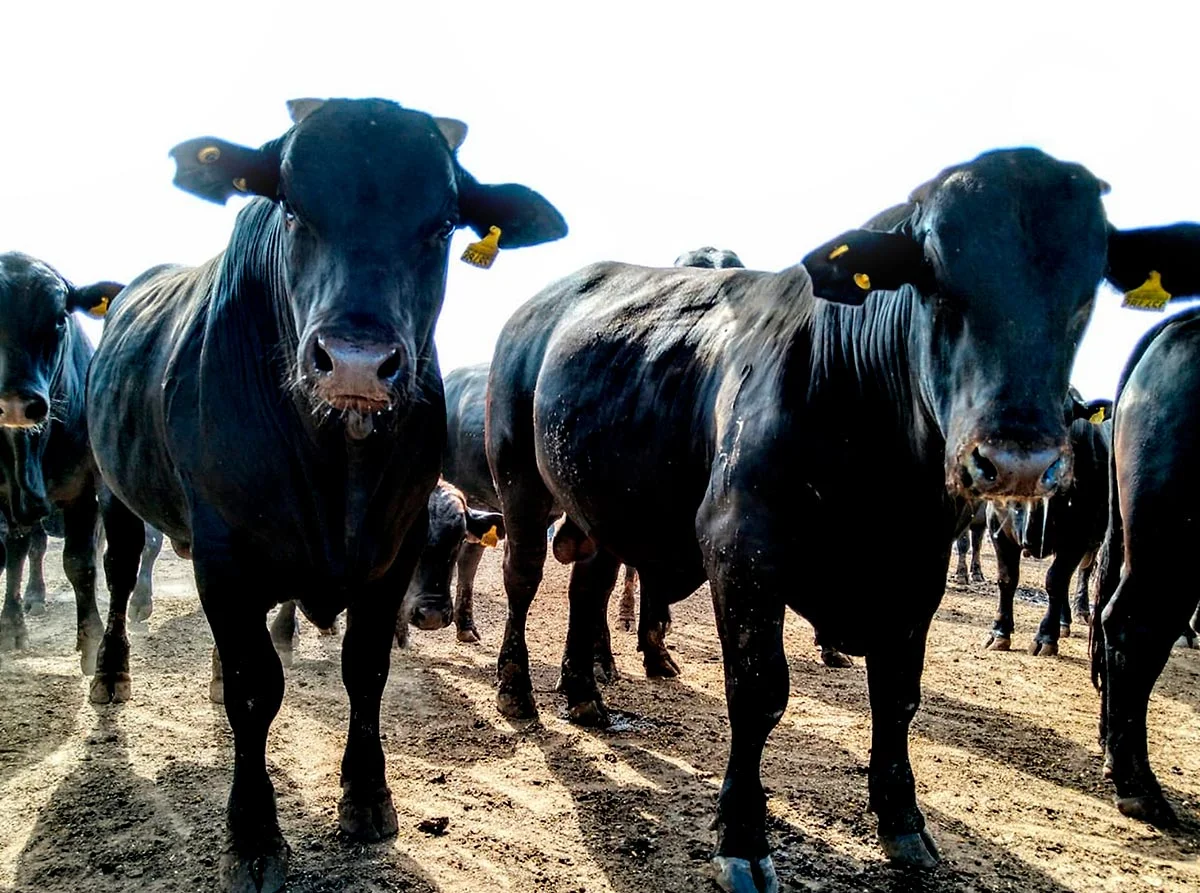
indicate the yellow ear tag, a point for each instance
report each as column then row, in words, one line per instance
column 1097, row 417
column 490, row 539
column 838, row 252
column 208, row 155
column 483, row 253
column 863, row 281
column 100, row 309
column 1150, row 295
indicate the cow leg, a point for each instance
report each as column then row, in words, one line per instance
column 125, row 534
column 141, row 605
column 830, row 656
column 1008, row 571
column 1057, row 619
column 1083, row 603
column 35, row 590
column 464, row 596
column 626, row 612
column 961, row 546
column 1140, row 624
column 13, row 635
column 284, row 632
column 659, row 592
column 216, row 685
column 592, row 581
column 894, row 689
column 750, row 624
column 976, row 548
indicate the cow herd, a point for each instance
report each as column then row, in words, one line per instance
column 278, row 413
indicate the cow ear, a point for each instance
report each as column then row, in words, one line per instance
column 214, row 169
column 522, row 215
column 1155, row 265
column 858, row 262
column 93, row 299
column 484, row 527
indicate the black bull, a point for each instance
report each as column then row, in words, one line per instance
column 761, row 423
column 278, row 413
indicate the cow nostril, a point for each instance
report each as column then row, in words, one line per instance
column 36, row 410
column 322, row 361
column 986, row 469
column 389, row 367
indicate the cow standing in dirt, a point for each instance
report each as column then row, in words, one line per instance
column 278, row 413
column 761, row 414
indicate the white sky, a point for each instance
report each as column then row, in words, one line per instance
column 654, row 127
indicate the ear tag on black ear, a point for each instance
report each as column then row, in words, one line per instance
column 1097, row 417
column 838, row 252
column 239, row 183
column 483, row 253
column 208, row 155
column 490, row 539
column 1150, row 295
column 863, row 281
column 100, row 310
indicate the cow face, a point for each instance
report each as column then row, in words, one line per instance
column 428, row 603
column 1005, row 253
column 367, row 197
column 709, row 258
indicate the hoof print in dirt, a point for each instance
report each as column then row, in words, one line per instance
column 1150, row 808
column 1040, row 648
column 743, row 876
column 371, row 820
column 912, row 850
column 434, row 827
column 110, row 689
column 264, row 872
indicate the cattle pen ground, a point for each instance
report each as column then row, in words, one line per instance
column 132, row 797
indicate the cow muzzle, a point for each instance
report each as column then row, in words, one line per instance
column 356, row 376
column 23, row 409
column 1000, row 470
column 430, row 611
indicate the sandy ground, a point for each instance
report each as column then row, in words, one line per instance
column 132, row 797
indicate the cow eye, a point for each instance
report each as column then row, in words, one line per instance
column 446, row 230
column 289, row 215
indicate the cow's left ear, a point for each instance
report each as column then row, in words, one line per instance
column 93, row 299
column 858, row 262
column 1155, row 265
column 215, row 169
column 484, row 527
column 523, row 216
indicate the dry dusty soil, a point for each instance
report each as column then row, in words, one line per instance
column 131, row 797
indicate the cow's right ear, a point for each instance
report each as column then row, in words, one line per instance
column 214, row 169
column 858, row 262
column 1155, row 265
column 486, row 528
column 93, row 299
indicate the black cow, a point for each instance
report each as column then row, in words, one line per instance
column 1069, row 525
column 278, row 413
column 970, row 541
column 709, row 258
column 45, row 462
column 762, row 422
column 1145, row 594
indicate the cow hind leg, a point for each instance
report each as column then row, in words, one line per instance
column 464, row 596
column 35, row 589
column 1056, row 622
column 976, row 548
column 592, row 581
column 13, row 634
column 1008, row 569
column 284, row 632
column 141, row 604
column 1082, row 605
column 627, row 612
column 961, row 546
column 125, row 534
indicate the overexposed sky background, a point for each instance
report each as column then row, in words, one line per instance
column 655, row 127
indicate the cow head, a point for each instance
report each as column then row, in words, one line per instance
column 428, row 603
column 709, row 258
column 1005, row 254
column 367, row 195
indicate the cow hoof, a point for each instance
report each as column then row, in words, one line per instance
column 1185, row 643
column 286, row 656
column 35, row 607
column 1150, row 808
column 1064, row 632
column 516, row 705
column 589, row 713
column 605, row 672
column 960, row 579
column 743, row 876
column 264, row 872
column 115, row 688
column 216, row 691
column 140, row 609
column 978, row 577
column 996, row 642
column 372, row 821
column 661, row 666
column 1083, row 618
column 88, row 660
column 831, row 657
column 1043, row 649
column 913, row 850
column 469, row 635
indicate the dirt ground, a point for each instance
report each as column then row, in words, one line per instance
column 132, row 797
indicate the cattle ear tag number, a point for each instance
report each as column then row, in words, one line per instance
column 208, row 155
column 490, row 539
column 483, row 253
column 838, row 252
column 1097, row 417
column 863, row 281
column 1150, row 295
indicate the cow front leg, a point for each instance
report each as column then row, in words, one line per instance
column 35, row 589
column 464, row 597
column 894, row 689
column 1082, row 603
column 141, row 604
column 284, row 632
column 750, row 624
column 961, row 547
column 13, row 634
column 654, row 622
column 1008, row 571
column 125, row 536
column 1057, row 620
column 976, row 548
column 627, row 610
